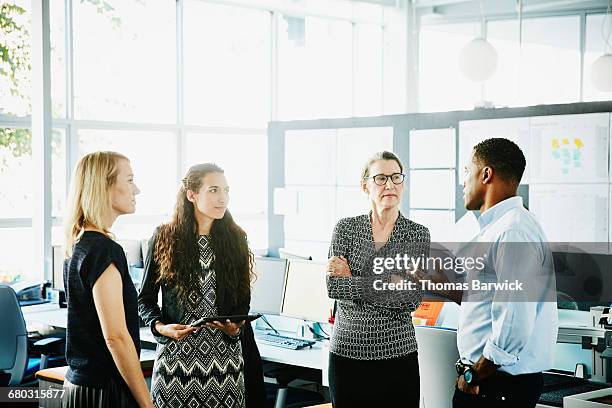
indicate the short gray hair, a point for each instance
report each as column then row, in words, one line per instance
column 384, row 155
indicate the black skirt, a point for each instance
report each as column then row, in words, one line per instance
column 377, row 383
column 113, row 395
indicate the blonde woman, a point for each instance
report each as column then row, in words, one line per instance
column 102, row 339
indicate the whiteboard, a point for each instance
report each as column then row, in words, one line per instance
column 431, row 148
column 472, row 132
column 570, row 148
column 573, row 213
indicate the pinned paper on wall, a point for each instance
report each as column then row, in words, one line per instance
column 569, row 154
column 573, row 213
column 472, row 132
column 570, row 148
column 431, row 148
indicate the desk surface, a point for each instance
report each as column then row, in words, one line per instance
column 315, row 357
column 47, row 313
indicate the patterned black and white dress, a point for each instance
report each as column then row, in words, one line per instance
column 206, row 368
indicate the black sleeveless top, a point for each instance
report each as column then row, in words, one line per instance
column 90, row 362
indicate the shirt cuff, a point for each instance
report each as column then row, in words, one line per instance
column 498, row 356
column 158, row 336
column 234, row 338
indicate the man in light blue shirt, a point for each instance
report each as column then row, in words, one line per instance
column 505, row 337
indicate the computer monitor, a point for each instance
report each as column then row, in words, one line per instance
column 269, row 288
column 306, row 292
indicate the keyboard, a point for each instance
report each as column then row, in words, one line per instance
column 278, row 340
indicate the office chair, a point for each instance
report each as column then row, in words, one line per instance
column 16, row 366
column 437, row 356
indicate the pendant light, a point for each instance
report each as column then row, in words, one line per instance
column 601, row 70
column 478, row 58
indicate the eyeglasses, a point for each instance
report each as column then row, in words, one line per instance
column 381, row 179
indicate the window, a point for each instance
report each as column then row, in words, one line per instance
column 503, row 88
column 125, row 61
column 227, row 65
column 244, row 161
column 16, row 173
column 368, row 70
column 314, row 68
column 17, row 263
column 597, row 26
column 394, row 65
column 15, row 93
column 58, row 172
column 58, row 58
column 546, row 69
column 153, row 158
column 17, row 199
column 550, row 62
column 442, row 87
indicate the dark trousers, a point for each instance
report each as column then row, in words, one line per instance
column 375, row 383
column 503, row 390
column 253, row 370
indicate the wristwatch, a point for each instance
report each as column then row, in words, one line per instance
column 467, row 371
column 469, row 375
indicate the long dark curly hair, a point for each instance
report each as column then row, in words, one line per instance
column 176, row 246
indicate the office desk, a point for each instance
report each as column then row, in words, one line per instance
column 315, row 357
column 47, row 313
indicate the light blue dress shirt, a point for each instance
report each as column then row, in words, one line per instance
column 519, row 331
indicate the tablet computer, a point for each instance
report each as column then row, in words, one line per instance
column 222, row 319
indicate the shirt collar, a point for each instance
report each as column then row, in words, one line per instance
column 499, row 209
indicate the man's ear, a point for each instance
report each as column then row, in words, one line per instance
column 191, row 196
column 486, row 174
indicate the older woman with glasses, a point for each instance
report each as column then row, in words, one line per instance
column 373, row 352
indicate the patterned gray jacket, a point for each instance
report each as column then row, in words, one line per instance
column 374, row 324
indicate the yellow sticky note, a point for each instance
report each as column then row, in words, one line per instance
column 565, row 141
column 555, row 143
column 578, row 143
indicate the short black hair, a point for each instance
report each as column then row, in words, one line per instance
column 506, row 158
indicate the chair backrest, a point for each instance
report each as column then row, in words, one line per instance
column 13, row 337
column 437, row 356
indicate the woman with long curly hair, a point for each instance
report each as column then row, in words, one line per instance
column 202, row 263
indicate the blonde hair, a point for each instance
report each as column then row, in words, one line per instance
column 89, row 199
